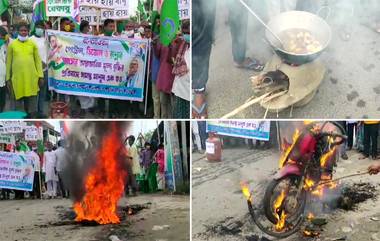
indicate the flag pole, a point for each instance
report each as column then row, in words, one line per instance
column 147, row 79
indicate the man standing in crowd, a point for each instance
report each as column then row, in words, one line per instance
column 39, row 38
column 86, row 103
column 36, row 193
column 50, row 167
column 134, row 163
column 371, row 131
column 60, row 154
column 65, row 25
column 24, row 71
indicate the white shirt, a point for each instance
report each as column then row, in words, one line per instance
column 60, row 154
column 3, row 68
column 181, row 85
column 42, row 47
column 50, row 163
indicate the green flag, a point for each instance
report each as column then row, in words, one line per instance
column 169, row 21
column 4, row 5
column 142, row 11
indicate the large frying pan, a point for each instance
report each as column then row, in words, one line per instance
column 298, row 20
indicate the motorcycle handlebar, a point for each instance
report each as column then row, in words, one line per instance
column 343, row 138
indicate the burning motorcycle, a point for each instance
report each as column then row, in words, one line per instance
column 306, row 170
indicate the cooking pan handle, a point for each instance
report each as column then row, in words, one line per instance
column 328, row 12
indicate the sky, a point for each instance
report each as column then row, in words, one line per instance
column 137, row 126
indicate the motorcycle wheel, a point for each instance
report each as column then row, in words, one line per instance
column 268, row 202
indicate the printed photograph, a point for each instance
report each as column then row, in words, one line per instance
column 83, row 59
column 285, row 180
column 282, row 59
column 94, row 180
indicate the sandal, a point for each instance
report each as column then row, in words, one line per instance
column 199, row 107
column 251, row 64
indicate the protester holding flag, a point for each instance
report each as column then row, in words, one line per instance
column 24, row 71
column 169, row 26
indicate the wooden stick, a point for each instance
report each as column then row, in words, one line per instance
column 344, row 177
column 252, row 102
column 245, row 106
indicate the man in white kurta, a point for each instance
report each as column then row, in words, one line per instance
column 50, row 167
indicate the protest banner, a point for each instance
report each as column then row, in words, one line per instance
column 90, row 15
column 59, row 8
column 16, row 171
column 184, row 9
column 33, row 133
column 96, row 66
column 7, row 139
column 258, row 130
column 11, row 127
column 113, row 9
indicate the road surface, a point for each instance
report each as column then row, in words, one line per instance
column 217, row 198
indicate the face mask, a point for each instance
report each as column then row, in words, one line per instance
column 108, row 33
column 67, row 28
column 21, row 38
column 187, row 37
column 39, row 32
column 130, row 33
column 2, row 42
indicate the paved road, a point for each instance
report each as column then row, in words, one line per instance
column 41, row 220
column 217, row 198
column 350, row 89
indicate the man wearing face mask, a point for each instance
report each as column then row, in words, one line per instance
column 65, row 25
column 24, row 71
column 129, row 30
column 3, row 55
column 39, row 38
column 108, row 30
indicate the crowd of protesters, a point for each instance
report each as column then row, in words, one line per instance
column 24, row 52
column 47, row 182
column 147, row 166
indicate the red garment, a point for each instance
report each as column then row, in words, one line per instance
column 165, row 78
column 160, row 159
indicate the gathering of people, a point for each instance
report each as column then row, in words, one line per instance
column 147, row 168
column 26, row 53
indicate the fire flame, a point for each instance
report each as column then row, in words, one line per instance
column 309, row 183
column 104, row 183
column 320, row 189
column 285, row 154
column 310, row 216
column 308, row 233
column 327, row 156
column 246, row 192
column 280, row 214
